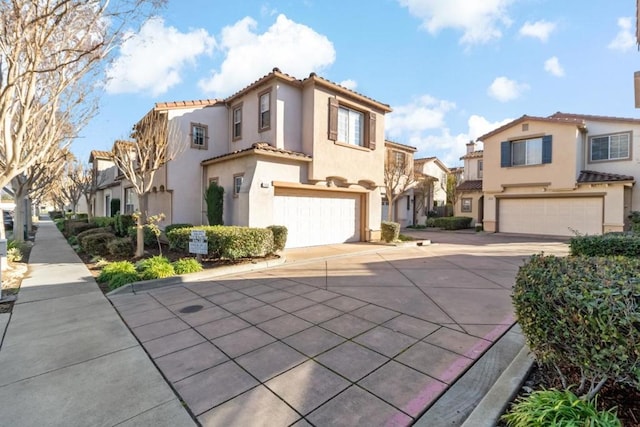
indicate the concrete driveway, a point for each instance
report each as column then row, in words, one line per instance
column 363, row 339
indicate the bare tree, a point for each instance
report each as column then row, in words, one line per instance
column 71, row 184
column 398, row 178
column 451, row 188
column 423, row 191
column 89, row 180
column 156, row 144
column 50, row 54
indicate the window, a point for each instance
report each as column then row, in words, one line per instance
column 264, row 118
column 237, row 122
column 399, row 160
column 199, row 135
column 237, row 184
column 408, row 203
column 480, row 167
column 533, row 151
column 129, row 201
column 351, row 126
column 610, row 147
column 466, row 204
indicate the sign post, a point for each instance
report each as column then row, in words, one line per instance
column 198, row 243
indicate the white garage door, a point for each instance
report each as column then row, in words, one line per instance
column 552, row 216
column 318, row 218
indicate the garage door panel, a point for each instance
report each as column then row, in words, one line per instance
column 320, row 219
column 551, row 216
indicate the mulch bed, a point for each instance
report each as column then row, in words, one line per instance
column 626, row 399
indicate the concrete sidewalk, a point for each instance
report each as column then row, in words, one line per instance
column 67, row 359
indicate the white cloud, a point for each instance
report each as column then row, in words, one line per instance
column 480, row 20
column 552, row 66
column 294, row 48
column 349, row 84
column 539, row 30
column 504, row 89
column 625, row 39
column 423, row 113
column 153, row 59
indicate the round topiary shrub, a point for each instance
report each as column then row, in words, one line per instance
column 121, row 247
column 583, row 313
column 279, row 236
column 390, row 231
column 186, row 266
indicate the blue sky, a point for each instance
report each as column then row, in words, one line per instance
column 451, row 69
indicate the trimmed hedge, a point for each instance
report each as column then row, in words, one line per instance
column 606, row 245
column 229, row 242
column 56, row 215
column 148, row 236
column 122, row 223
column 96, row 244
column 104, row 221
column 73, row 227
column 170, row 227
column 121, row 247
column 280, row 233
column 390, row 231
column 450, row 222
column 580, row 312
column 80, row 236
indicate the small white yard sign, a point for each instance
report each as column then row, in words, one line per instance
column 198, row 242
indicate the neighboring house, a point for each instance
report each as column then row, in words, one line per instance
column 399, row 170
column 470, row 200
column 438, row 171
column 298, row 153
column 560, row 175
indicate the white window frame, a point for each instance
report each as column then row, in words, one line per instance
column 612, row 138
column 532, row 152
column 466, row 204
column 199, row 135
column 236, row 122
column 264, row 111
column 351, row 126
column 480, row 168
column 238, row 180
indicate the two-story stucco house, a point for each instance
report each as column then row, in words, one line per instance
column 470, row 199
column 400, row 181
column 560, row 175
column 438, row 171
column 298, row 153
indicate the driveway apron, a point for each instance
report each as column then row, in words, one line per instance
column 364, row 339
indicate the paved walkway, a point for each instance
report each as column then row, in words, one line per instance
column 367, row 339
column 67, row 359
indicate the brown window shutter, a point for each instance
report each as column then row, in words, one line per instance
column 333, row 119
column 372, row 131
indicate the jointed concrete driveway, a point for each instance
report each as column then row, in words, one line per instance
column 365, row 339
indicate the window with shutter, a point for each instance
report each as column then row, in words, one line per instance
column 372, row 131
column 333, row 119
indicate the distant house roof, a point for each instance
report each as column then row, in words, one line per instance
column 589, row 117
column 258, row 148
column 400, row 146
column 593, row 176
column 431, row 159
column 471, row 185
column 98, row 154
column 473, row 155
column 185, row 104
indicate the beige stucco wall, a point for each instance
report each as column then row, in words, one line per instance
column 432, row 168
column 288, row 117
column 471, row 169
column 331, row 158
column 475, row 206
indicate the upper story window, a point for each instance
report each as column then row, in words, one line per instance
column 610, row 147
column 399, row 159
column 236, row 129
column 480, row 168
column 351, row 126
column 264, row 118
column 199, row 135
column 532, row 151
column 238, row 180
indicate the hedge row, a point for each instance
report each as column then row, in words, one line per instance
column 605, row 245
column 450, row 222
column 582, row 313
column 229, row 242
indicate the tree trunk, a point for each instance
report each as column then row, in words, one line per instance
column 143, row 201
column 89, row 200
column 19, row 214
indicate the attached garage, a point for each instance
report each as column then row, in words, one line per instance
column 319, row 217
column 559, row 216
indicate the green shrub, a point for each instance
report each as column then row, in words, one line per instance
column 122, row 279
column 227, row 241
column 80, row 236
column 121, row 247
column 60, row 223
column 430, row 222
column 114, row 206
column 280, row 233
column 450, row 222
column 606, row 245
column 186, row 265
column 74, row 227
column 122, row 223
column 558, row 408
column 96, row 244
column 390, row 231
column 14, row 255
column 82, row 216
column 170, row 227
column 214, row 198
column 405, row 238
column 104, row 222
column 148, row 236
column 583, row 313
column 56, row 215
column 119, row 268
column 156, row 267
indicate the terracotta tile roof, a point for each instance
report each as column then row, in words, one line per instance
column 471, row 185
column 313, row 77
column 575, row 121
column 473, row 155
column 398, row 145
column 586, row 117
column 185, row 104
column 257, row 148
column 593, row 176
column 99, row 154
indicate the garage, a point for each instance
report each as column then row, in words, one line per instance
column 551, row 216
column 318, row 217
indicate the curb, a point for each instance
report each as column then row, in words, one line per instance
column 145, row 285
column 492, row 406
